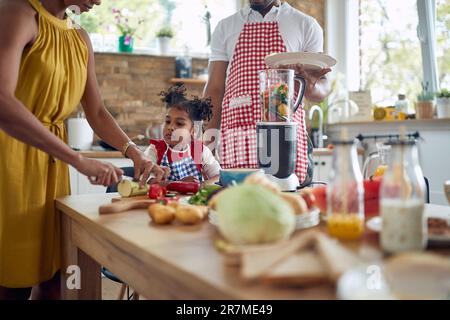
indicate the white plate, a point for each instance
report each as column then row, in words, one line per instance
column 368, row 282
column 375, row 224
column 314, row 61
column 365, row 282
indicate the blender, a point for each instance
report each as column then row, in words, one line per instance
column 276, row 132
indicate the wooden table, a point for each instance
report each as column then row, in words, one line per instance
column 169, row 262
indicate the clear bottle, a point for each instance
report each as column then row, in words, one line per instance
column 345, row 193
column 403, row 201
column 401, row 107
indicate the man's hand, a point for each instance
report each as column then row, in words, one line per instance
column 317, row 86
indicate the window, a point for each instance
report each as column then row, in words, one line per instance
column 390, row 51
column 185, row 17
column 443, row 42
column 381, row 36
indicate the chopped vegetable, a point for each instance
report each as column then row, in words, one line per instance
column 155, row 191
column 201, row 198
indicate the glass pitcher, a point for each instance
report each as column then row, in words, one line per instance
column 345, row 193
column 376, row 164
column 278, row 87
column 403, row 201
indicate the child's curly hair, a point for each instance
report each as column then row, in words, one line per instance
column 198, row 109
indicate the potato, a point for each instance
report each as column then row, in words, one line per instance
column 173, row 204
column 161, row 214
column 296, row 202
column 188, row 214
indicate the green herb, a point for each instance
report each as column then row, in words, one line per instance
column 202, row 196
column 165, row 32
column 444, row 93
column 425, row 95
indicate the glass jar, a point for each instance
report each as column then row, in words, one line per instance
column 345, row 193
column 403, row 201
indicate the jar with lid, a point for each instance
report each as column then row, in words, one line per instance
column 345, row 193
column 403, row 200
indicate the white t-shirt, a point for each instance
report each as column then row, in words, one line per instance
column 211, row 168
column 300, row 32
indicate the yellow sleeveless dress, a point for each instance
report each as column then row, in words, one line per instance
column 52, row 79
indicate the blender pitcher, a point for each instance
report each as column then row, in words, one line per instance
column 277, row 88
column 277, row 133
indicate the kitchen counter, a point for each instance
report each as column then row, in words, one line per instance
column 162, row 262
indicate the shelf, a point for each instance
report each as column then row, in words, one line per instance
column 416, row 125
column 188, row 81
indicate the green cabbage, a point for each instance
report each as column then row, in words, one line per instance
column 249, row 214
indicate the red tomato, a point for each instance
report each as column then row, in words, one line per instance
column 155, row 191
column 309, row 198
column 320, row 195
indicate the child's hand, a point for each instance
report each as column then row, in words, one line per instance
column 190, row 179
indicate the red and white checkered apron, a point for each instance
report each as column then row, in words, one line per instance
column 241, row 108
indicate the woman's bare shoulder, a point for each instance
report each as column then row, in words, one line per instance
column 21, row 7
column 19, row 16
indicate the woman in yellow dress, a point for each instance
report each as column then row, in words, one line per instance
column 46, row 70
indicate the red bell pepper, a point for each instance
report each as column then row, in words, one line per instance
column 183, row 187
column 155, row 192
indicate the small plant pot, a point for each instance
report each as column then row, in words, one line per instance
column 424, row 110
column 164, row 45
column 443, row 108
column 126, row 44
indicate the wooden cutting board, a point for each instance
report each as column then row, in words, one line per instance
column 138, row 198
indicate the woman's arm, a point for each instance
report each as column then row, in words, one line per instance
column 107, row 128
column 18, row 29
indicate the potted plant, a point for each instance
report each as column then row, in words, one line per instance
column 164, row 36
column 443, row 104
column 127, row 31
column 425, row 104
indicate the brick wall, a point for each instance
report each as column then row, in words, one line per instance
column 315, row 8
column 130, row 84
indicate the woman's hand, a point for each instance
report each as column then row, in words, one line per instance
column 144, row 167
column 98, row 172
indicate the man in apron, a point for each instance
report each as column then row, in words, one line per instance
column 239, row 46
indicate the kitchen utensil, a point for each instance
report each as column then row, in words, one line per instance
column 277, row 133
column 80, row 133
column 314, row 61
column 124, row 206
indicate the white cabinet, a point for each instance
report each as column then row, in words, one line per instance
column 322, row 167
column 79, row 184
